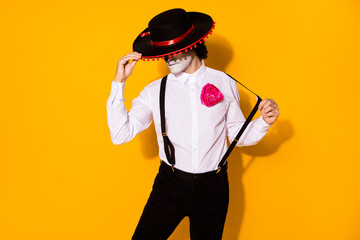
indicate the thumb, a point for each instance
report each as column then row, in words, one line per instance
column 130, row 66
column 261, row 105
column 133, row 62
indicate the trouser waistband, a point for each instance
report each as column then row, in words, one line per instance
column 191, row 176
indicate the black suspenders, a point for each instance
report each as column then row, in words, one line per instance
column 169, row 148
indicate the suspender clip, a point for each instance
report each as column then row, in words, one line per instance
column 219, row 169
column 172, row 167
column 164, row 134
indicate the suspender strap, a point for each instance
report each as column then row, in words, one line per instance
column 168, row 147
column 234, row 142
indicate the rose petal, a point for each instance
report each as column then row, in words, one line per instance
column 210, row 95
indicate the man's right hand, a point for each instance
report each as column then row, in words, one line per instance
column 125, row 67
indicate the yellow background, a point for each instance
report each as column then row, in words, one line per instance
column 62, row 178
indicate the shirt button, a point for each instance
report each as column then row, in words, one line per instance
column 195, row 149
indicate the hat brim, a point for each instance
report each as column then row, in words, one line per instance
column 203, row 26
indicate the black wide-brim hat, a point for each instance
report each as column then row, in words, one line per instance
column 173, row 32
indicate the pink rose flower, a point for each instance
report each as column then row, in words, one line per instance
column 210, row 95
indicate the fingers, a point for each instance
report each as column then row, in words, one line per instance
column 125, row 67
column 129, row 67
column 132, row 64
column 270, row 114
column 269, row 110
column 131, row 56
column 265, row 103
column 261, row 105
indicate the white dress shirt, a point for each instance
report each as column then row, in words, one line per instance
column 197, row 132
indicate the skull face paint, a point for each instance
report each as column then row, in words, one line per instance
column 180, row 63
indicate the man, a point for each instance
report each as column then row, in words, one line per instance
column 201, row 107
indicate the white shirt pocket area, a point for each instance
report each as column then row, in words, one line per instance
column 215, row 114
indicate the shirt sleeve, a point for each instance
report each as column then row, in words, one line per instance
column 124, row 126
column 256, row 129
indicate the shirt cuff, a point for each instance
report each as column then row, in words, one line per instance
column 117, row 90
column 262, row 124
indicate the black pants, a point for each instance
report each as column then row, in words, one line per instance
column 204, row 198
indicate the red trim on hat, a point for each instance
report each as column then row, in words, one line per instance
column 175, row 40
column 144, row 34
column 191, row 46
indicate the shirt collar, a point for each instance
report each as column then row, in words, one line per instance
column 183, row 77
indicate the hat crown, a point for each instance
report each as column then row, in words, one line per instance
column 169, row 25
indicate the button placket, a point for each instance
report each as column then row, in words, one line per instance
column 195, row 162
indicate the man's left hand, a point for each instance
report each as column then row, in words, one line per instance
column 269, row 110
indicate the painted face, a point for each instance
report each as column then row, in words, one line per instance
column 180, row 63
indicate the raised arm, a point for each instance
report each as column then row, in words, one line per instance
column 123, row 125
column 256, row 129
